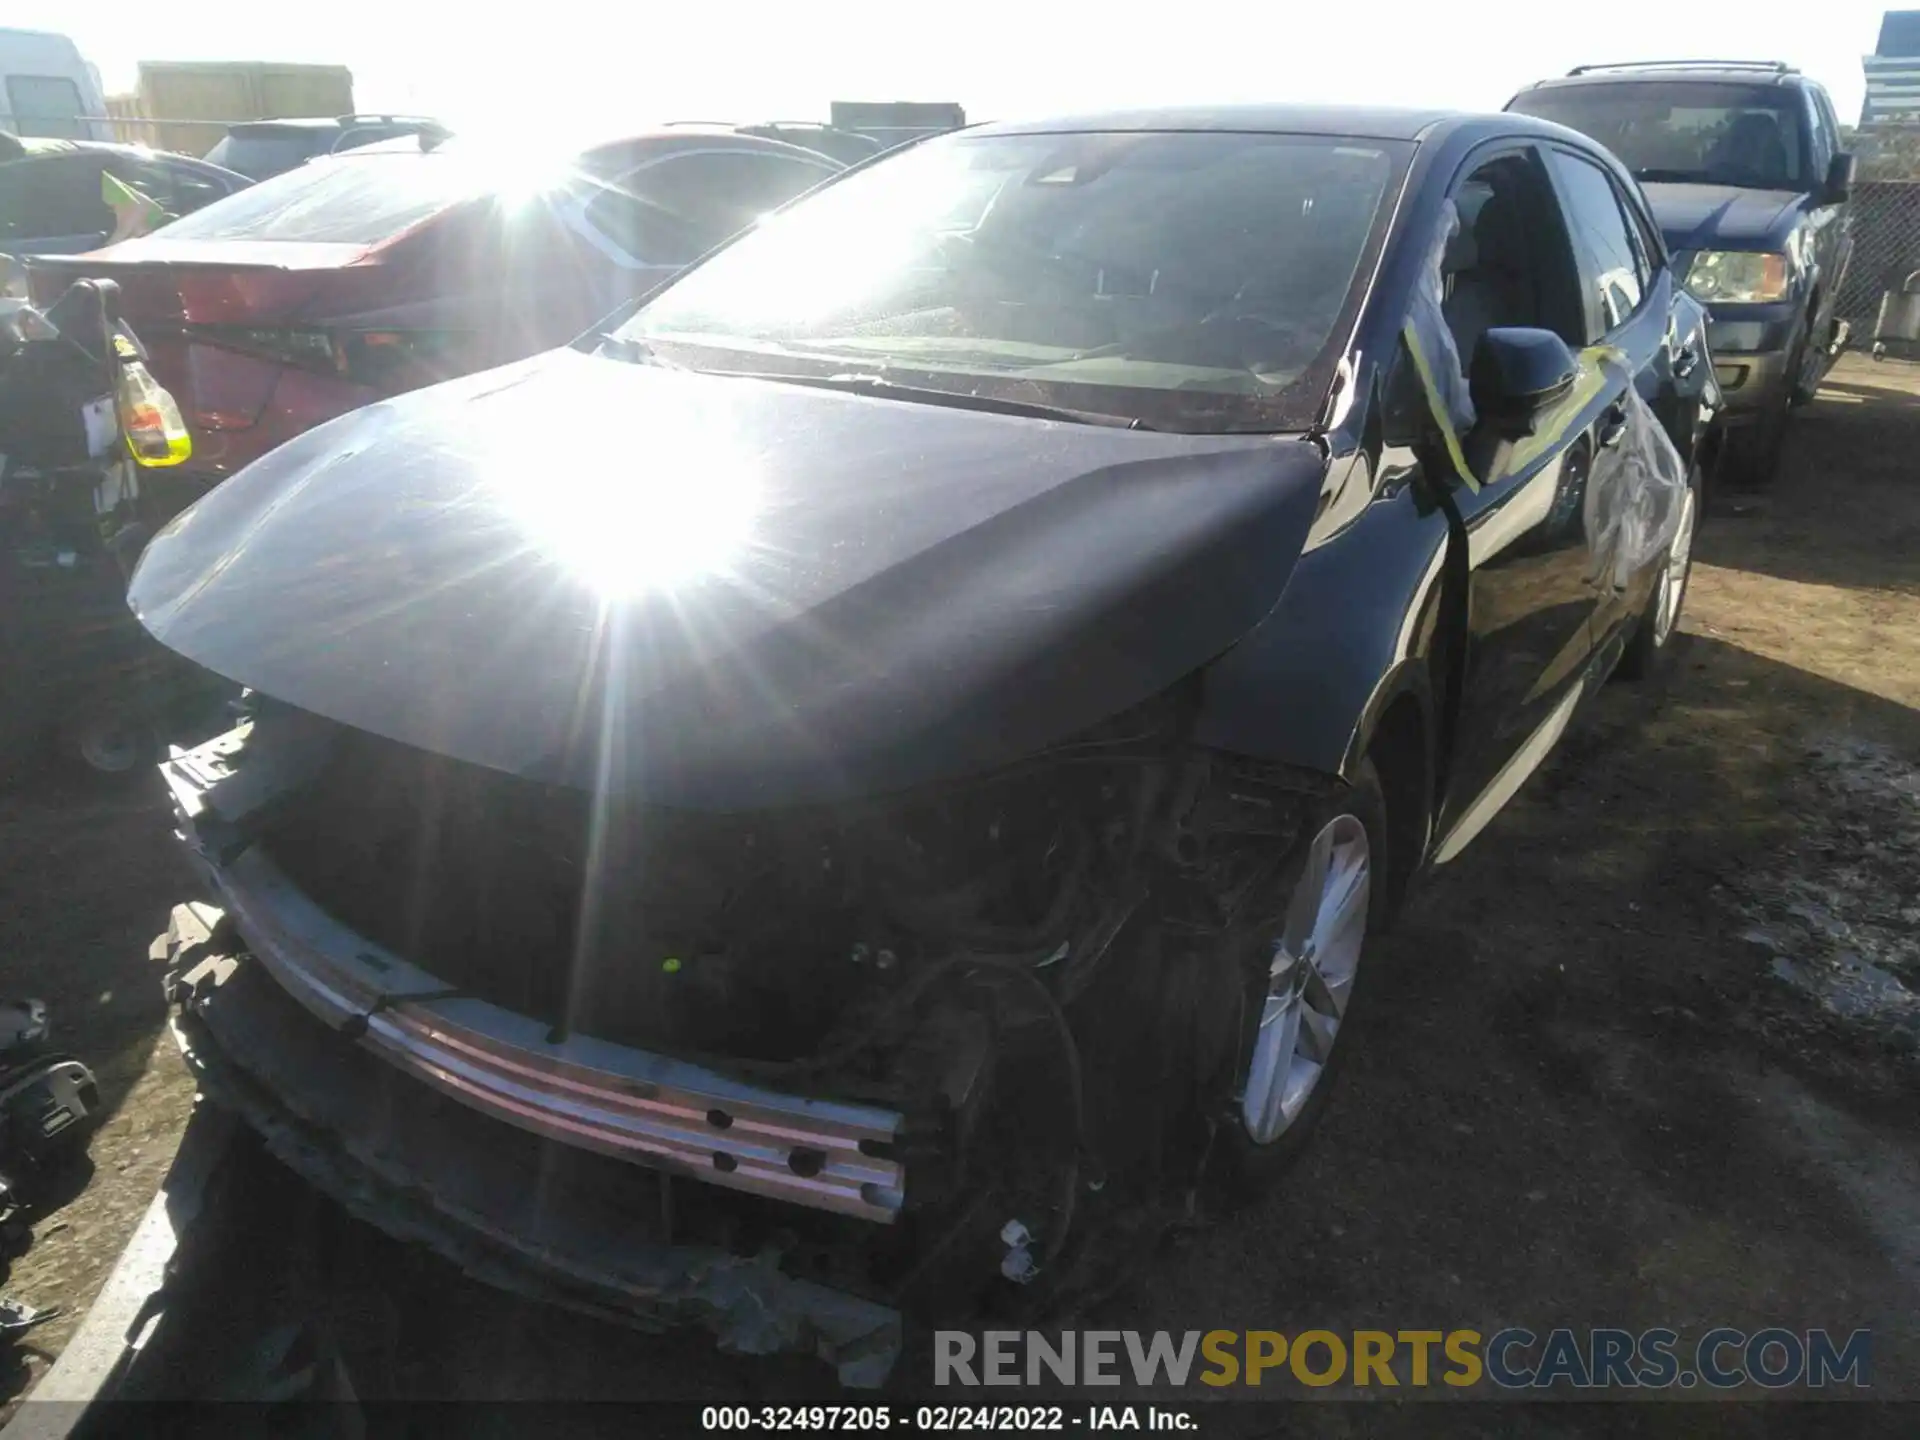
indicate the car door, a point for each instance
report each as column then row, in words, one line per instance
column 1830, row 231
column 1530, row 598
column 51, row 205
column 1628, row 301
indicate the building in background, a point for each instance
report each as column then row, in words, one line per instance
column 187, row 105
column 898, row 121
column 1893, row 72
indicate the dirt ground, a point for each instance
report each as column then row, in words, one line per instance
column 1644, row 1055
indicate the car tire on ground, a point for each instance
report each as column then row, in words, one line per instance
column 1295, row 1015
column 1814, row 363
column 1753, row 451
column 1652, row 638
column 110, row 744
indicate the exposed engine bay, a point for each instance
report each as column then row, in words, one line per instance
column 924, row 1046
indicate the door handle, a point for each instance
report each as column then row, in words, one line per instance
column 1684, row 362
column 1613, row 427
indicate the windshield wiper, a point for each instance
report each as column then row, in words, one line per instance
column 864, row 384
column 1671, row 177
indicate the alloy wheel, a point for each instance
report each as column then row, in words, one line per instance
column 1310, row 982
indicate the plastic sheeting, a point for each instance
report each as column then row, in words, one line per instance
column 1436, row 358
column 1428, row 322
column 1635, row 497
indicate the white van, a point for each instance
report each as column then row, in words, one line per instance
column 46, row 88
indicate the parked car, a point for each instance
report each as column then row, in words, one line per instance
column 48, row 89
column 51, row 202
column 366, row 274
column 1743, row 167
column 263, row 148
column 849, row 147
column 879, row 775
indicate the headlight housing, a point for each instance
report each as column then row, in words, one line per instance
column 1738, row 277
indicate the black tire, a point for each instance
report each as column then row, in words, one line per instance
column 1240, row 1165
column 1753, row 451
column 1814, row 362
column 109, row 744
column 1648, row 647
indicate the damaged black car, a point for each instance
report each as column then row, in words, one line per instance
column 863, row 787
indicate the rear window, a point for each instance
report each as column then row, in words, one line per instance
column 1699, row 133
column 673, row 211
column 361, row 200
column 260, row 153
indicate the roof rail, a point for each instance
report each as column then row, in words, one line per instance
column 1771, row 67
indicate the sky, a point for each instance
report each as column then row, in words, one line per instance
column 570, row 66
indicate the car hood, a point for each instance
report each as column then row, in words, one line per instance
column 723, row 592
column 1704, row 217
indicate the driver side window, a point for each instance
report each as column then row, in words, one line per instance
column 1510, row 264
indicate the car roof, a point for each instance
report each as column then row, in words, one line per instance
column 1359, row 121
column 704, row 137
column 411, row 144
column 40, row 147
column 663, row 137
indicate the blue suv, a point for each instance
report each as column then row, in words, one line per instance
column 1742, row 165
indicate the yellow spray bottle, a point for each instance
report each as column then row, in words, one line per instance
column 156, row 434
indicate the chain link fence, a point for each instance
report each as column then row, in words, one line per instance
column 1886, row 223
column 1886, row 249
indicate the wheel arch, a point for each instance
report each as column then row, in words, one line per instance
column 1397, row 733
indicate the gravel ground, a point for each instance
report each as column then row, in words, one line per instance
column 1645, row 1055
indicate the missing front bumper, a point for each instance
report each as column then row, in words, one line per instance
column 613, row 1099
column 554, row 1222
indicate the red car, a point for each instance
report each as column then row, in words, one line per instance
column 365, row 274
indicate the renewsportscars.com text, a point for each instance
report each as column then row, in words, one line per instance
column 1514, row 1358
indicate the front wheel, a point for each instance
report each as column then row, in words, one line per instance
column 1297, row 1007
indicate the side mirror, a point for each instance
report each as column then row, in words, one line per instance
column 1517, row 373
column 1839, row 184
